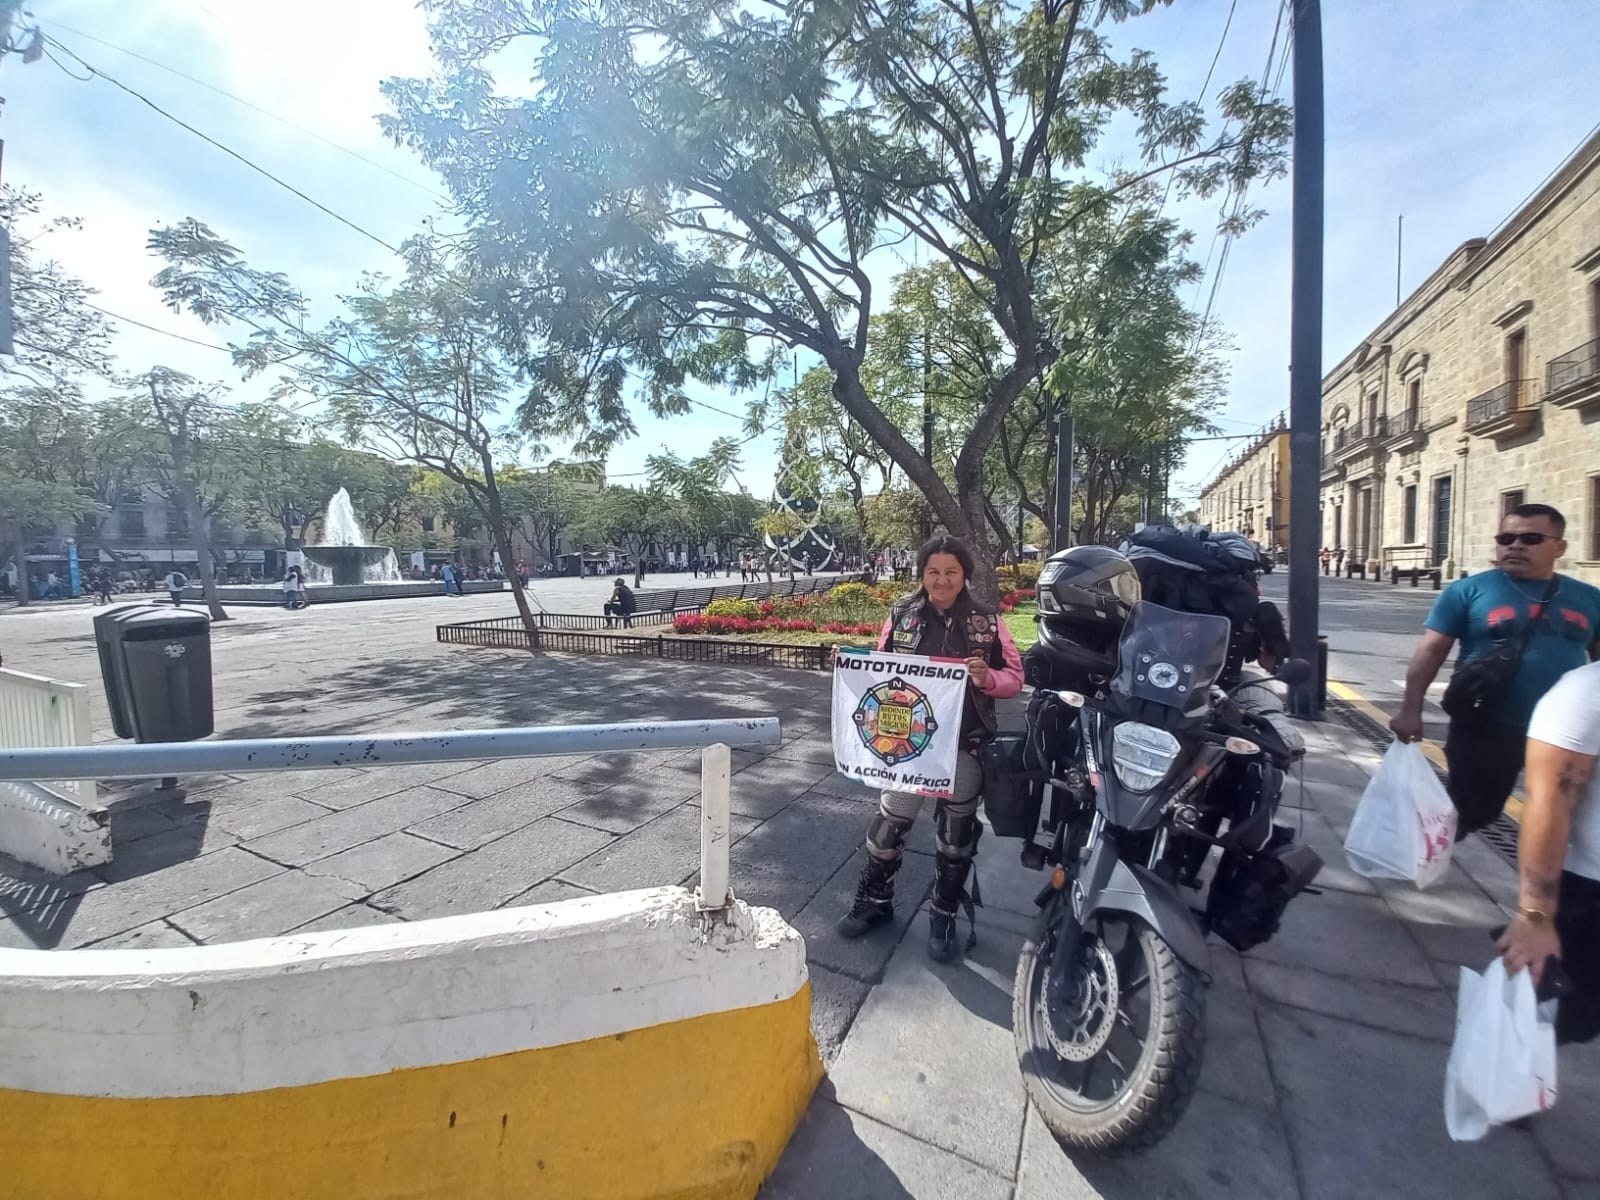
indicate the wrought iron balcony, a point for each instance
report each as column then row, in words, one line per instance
column 1572, row 380
column 1504, row 410
column 1404, row 431
column 1355, row 439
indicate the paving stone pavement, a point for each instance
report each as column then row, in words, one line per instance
column 1324, row 1067
column 225, row 858
column 1326, row 1047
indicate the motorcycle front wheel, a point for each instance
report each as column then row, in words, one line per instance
column 1110, row 1042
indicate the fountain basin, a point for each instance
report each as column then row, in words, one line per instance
column 329, row 593
column 348, row 566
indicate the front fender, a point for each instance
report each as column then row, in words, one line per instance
column 1141, row 893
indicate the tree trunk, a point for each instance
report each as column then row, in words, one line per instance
column 20, row 557
column 494, row 514
column 200, row 534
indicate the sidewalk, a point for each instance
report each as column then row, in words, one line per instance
column 1324, row 1064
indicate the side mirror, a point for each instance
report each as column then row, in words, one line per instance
column 1294, row 672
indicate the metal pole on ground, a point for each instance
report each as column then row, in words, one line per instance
column 716, row 764
column 1305, row 345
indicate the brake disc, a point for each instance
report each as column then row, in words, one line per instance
column 1078, row 1020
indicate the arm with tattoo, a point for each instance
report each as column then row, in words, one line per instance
column 1557, row 778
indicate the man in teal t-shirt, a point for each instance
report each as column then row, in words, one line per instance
column 1485, row 757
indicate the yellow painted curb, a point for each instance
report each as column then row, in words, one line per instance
column 1433, row 750
column 697, row 1109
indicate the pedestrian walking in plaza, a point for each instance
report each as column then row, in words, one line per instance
column 1327, row 557
column 447, row 573
column 1558, row 854
column 176, row 582
column 1521, row 627
column 942, row 617
column 102, row 586
column 620, row 606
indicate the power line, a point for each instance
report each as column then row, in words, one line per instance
column 155, row 329
column 295, row 125
column 231, row 153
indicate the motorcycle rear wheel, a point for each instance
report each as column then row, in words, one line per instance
column 1158, row 1022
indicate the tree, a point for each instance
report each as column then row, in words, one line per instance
column 60, row 337
column 185, row 428
column 284, row 481
column 56, row 466
column 718, row 184
column 544, row 504
column 707, row 511
column 630, row 519
column 413, row 370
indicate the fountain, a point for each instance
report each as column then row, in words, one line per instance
column 344, row 557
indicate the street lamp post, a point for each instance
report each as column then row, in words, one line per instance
column 1305, row 345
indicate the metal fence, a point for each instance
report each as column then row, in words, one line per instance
column 711, row 737
column 508, row 633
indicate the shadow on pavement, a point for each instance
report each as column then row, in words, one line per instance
column 490, row 688
column 39, row 905
column 838, row 1153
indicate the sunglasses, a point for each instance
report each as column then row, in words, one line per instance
column 1527, row 539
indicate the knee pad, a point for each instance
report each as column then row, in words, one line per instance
column 957, row 834
column 886, row 835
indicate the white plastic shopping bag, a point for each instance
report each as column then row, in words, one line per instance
column 1503, row 1062
column 1405, row 824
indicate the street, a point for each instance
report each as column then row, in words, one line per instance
column 1371, row 628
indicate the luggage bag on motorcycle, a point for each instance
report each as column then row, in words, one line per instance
column 1012, row 795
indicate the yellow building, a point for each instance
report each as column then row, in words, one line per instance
column 1251, row 494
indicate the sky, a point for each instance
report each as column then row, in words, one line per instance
column 1449, row 111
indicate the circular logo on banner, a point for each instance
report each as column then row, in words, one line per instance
column 1163, row 675
column 895, row 721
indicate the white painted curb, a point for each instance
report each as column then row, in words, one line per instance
column 290, row 1011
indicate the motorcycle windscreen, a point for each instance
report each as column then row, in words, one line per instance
column 1169, row 657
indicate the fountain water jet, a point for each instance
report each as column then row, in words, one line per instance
column 344, row 556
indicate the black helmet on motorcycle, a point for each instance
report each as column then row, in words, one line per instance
column 1085, row 595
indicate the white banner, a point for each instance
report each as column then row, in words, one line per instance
column 897, row 719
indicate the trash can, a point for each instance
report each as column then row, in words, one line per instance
column 113, row 665
column 157, row 668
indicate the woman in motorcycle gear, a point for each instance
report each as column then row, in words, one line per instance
column 941, row 618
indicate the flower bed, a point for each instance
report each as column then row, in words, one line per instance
column 850, row 610
column 735, row 626
column 1009, row 600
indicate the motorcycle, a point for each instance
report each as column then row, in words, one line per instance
column 1142, row 774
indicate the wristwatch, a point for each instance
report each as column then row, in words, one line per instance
column 1534, row 916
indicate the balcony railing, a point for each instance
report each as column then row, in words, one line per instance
column 1402, row 424
column 1512, row 399
column 1353, row 437
column 1573, row 369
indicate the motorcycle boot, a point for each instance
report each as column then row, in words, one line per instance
column 874, row 901
column 952, row 864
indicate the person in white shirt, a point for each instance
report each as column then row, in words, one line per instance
column 1559, row 853
column 176, row 582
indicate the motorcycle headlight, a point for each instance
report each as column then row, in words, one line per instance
column 1142, row 755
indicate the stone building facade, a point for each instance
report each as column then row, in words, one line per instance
column 1480, row 392
column 1251, row 494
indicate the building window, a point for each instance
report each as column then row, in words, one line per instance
column 1509, row 501
column 1414, row 404
column 427, row 524
column 1409, row 508
column 1442, row 487
column 1517, row 366
column 177, row 523
column 1594, row 516
column 130, row 522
